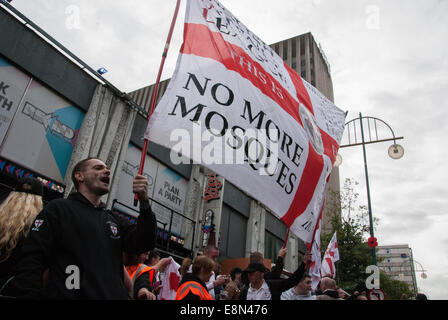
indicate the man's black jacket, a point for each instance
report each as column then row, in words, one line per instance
column 277, row 286
column 73, row 238
column 274, row 274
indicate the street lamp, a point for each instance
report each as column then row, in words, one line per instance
column 423, row 275
column 395, row 151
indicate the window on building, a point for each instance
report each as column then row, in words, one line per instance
column 285, row 50
column 294, row 63
column 272, row 245
column 232, row 237
column 311, row 44
column 275, row 234
column 302, row 46
column 293, row 49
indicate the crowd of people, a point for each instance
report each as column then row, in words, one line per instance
column 75, row 248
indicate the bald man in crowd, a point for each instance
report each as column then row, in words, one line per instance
column 329, row 290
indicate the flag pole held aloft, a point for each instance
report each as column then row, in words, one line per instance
column 156, row 89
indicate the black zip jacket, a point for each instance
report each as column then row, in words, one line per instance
column 82, row 247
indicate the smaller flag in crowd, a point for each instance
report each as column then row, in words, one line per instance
column 170, row 282
column 328, row 268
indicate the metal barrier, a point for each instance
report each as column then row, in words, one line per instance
column 165, row 246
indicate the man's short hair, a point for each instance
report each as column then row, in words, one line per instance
column 80, row 166
column 306, row 275
column 329, row 283
column 256, row 257
column 210, row 247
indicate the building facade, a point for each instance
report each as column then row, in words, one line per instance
column 397, row 262
column 303, row 54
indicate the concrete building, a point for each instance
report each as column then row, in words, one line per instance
column 306, row 57
column 397, row 262
column 303, row 54
column 56, row 110
column 59, row 110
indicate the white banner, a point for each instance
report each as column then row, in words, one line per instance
column 235, row 107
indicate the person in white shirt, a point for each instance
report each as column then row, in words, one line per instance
column 302, row 291
column 258, row 288
column 261, row 289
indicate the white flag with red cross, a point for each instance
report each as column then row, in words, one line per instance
column 331, row 255
column 235, row 107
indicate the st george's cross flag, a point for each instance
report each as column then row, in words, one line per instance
column 170, row 282
column 316, row 257
column 331, row 255
column 235, row 107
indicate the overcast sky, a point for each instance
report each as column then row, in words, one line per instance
column 389, row 59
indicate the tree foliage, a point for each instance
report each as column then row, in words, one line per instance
column 394, row 288
column 351, row 223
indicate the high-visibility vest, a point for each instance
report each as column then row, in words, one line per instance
column 139, row 270
column 193, row 287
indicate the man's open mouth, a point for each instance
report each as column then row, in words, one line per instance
column 105, row 180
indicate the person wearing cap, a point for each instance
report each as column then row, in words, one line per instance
column 275, row 272
column 17, row 213
column 81, row 243
column 261, row 289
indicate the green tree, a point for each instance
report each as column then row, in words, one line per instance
column 351, row 223
column 394, row 288
column 353, row 251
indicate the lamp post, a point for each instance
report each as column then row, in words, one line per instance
column 395, row 152
column 412, row 261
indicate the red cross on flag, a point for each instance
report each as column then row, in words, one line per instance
column 328, row 268
column 170, row 282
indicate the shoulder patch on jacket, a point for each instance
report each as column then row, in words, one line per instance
column 37, row 224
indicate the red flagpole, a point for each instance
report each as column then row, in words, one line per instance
column 286, row 239
column 314, row 232
column 156, row 90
